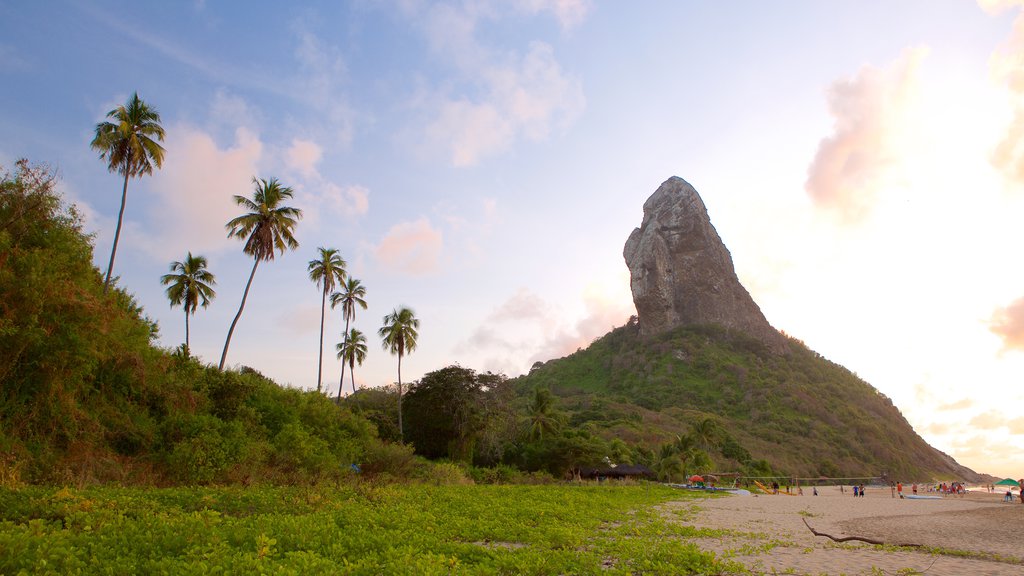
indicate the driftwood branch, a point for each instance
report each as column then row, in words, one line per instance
column 857, row 538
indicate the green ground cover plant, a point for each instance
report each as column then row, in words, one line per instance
column 358, row 528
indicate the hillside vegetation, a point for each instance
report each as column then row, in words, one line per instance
column 86, row 396
column 799, row 412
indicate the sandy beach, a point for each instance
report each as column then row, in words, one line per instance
column 978, row 533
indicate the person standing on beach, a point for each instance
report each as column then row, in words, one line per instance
column 899, row 489
column 1021, row 484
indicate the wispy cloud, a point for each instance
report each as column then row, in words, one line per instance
column 851, row 165
column 493, row 98
column 569, row 13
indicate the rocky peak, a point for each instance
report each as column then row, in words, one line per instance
column 682, row 274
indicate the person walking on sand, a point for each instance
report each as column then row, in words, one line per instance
column 1021, row 484
column 899, row 489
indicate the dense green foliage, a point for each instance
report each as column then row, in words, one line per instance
column 797, row 413
column 86, row 396
column 365, row 529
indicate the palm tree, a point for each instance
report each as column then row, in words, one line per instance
column 352, row 295
column 541, row 417
column 126, row 142
column 705, row 433
column 328, row 270
column 352, row 350
column 268, row 226
column 398, row 335
column 189, row 284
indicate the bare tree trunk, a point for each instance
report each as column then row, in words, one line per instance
column 320, row 363
column 117, row 233
column 186, row 332
column 341, row 381
column 224, row 355
column 401, row 434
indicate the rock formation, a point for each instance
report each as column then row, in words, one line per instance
column 682, row 274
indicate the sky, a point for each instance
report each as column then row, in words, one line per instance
column 484, row 161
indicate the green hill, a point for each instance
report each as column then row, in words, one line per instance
column 801, row 413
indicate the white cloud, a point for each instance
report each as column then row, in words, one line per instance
column 411, row 248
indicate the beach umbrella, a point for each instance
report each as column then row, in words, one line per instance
column 696, row 478
column 1007, row 482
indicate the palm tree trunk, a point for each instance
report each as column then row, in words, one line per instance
column 401, row 435
column 117, row 233
column 320, row 363
column 352, row 372
column 186, row 332
column 224, row 355
column 341, row 383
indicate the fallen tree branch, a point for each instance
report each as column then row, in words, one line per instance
column 857, row 538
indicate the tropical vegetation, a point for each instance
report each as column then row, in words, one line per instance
column 326, row 271
column 398, row 336
column 189, row 285
column 267, row 226
column 352, row 295
column 127, row 141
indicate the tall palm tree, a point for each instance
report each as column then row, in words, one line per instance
column 398, row 335
column 326, row 271
column 705, row 433
column 352, row 350
column 267, row 226
column 126, row 142
column 353, row 294
column 190, row 284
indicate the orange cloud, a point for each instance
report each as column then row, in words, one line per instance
column 1008, row 324
column 958, row 405
column 1007, row 66
column 851, row 164
column 412, row 248
column 990, row 420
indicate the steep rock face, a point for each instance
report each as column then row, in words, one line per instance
column 682, row 274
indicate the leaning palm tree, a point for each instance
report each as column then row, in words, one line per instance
column 267, row 226
column 326, row 271
column 353, row 294
column 398, row 335
column 352, row 350
column 126, row 142
column 189, row 285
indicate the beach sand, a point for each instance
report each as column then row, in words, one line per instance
column 978, row 533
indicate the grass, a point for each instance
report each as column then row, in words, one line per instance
column 348, row 529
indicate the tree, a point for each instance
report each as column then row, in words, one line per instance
column 326, row 271
column 126, row 142
column 267, row 226
column 353, row 294
column 352, row 350
column 541, row 417
column 398, row 336
column 445, row 411
column 189, row 285
column 705, row 433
